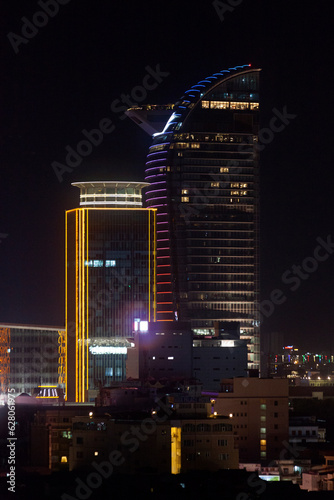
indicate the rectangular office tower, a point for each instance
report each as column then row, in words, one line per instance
column 203, row 174
column 110, row 282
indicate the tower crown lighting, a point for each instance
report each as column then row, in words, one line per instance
column 117, row 194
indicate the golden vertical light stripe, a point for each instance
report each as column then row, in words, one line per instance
column 83, row 312
column 66, row 315
column 175, row 450
column 76, row 304
column 79, row 307
column 87, row 284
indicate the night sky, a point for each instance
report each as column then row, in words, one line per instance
column 64, row 78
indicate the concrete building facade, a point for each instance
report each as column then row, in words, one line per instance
column 260, row 416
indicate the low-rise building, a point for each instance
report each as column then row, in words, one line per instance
column 306, row 430
column 190, row 438
column 259, row 413
column 51, row 436
column 169, row 350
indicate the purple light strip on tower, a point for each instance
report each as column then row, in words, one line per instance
column 159, row 182
column 154, row 175
column 157, row 198
column 155, row 191
column 154, row 161
column 154, row 168
column 157, row 153
column 158, row 159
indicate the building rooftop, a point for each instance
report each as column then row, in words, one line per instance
column 120, row 194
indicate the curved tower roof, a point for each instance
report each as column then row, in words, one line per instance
column 179, row 111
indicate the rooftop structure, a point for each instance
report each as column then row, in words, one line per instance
column 118, row 194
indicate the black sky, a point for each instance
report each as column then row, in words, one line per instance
column 66, row 77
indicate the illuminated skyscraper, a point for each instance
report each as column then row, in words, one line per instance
column 110, row 281
column 203, row 175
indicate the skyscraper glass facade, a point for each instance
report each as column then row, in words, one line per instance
column 31, row 356
column 203, row 175
column 110, row 282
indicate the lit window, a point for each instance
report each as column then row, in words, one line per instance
column 224, row 170
column 239, row 105
column 143, row 326
column 263, row 442
column 254, row 105
column 194, row 145
column 215, row 184
column 110, row 263
column 159, row 147
column 97, row 263
column 185, row 191
column 219, row 105
column 63, row 460
column 185, row 199
column 205, row 104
